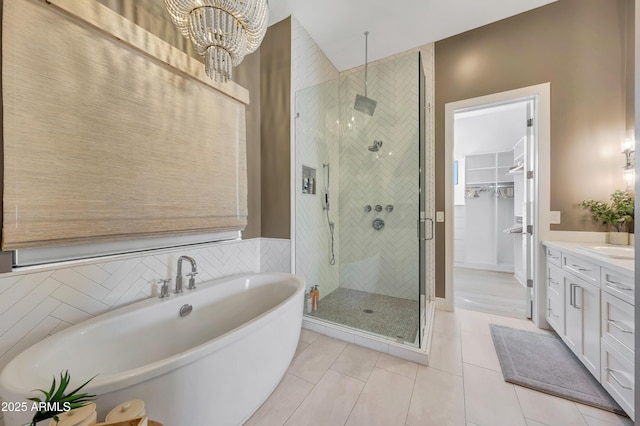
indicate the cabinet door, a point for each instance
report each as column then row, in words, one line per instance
column 572, row 315
column 589, row 300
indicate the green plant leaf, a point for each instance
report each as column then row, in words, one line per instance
column 619, row 213
column 57, row 395
column 64, row 382
column 82, row 385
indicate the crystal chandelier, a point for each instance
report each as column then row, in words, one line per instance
column 223, row 31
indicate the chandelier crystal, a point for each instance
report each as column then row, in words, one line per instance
column 223, row 31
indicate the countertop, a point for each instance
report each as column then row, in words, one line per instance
column 625, row 266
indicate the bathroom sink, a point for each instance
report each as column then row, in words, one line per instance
column 624, row 252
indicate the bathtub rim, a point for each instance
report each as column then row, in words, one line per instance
column 145, row 372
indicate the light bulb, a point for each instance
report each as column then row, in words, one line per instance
column 629, row 176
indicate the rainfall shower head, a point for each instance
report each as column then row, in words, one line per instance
column 363, row 103
column 375, row 146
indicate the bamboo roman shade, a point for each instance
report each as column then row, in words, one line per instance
column 110, row 133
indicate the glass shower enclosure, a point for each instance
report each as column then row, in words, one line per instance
column 360, row 221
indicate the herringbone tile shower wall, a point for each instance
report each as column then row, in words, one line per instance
column 381, row 261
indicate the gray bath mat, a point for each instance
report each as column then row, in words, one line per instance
column 543, row 363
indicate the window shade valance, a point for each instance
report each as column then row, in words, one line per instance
column 110, row 133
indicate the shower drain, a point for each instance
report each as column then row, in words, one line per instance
column 368, row 311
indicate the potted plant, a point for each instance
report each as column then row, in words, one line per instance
column 618, row 215
column 56, row 401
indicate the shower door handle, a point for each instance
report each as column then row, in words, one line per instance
column 432, row 230
column 422, row 229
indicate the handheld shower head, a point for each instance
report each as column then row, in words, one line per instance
column 327, row 185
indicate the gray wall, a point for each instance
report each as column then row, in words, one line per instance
column 247, row 74
column 577, row 46
column 275, row 130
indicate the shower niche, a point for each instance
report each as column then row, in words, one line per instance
column 308, row 184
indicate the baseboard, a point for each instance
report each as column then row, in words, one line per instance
column 441, row 304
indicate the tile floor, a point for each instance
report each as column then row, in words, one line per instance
column 497, row 293
column 331, row 382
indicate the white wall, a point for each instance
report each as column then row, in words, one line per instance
column 458, row 190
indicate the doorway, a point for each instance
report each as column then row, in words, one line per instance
column 490, row 143
column 497, row 201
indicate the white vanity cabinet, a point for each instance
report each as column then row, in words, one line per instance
column 590, row 305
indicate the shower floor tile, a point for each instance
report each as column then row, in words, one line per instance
column 384, row 315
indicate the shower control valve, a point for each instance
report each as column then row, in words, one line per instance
column 378, row 224
column 367, row 208
column 378, row 208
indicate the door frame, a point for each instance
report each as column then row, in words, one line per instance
column 542, row 186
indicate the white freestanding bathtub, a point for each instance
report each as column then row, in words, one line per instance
column 214, row 366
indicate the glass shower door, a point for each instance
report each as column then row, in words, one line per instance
column 375, row 193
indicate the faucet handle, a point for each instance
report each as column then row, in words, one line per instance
column 192, row 280
column 164, row 289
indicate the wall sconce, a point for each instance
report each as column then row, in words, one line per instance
column 628, row 149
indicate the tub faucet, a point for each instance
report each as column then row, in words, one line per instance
column 192, row 274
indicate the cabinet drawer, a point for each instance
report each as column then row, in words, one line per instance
column 619, row 285
column 617, row 377
column 618, row 327
column 554, row 279
column 582, row 268
column 554, row 256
